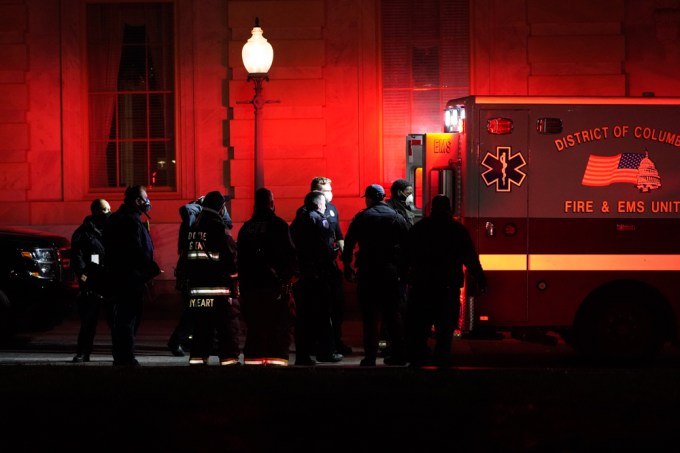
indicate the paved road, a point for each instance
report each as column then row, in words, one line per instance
column 57, row 346
column 499, row 396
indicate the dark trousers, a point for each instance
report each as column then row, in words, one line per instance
column 127, row 315
column 379, row 295
column 337, row 306
column 267, row 316
column 430, row 305
column 313, row 325
column 90, row 305
column 222, row 319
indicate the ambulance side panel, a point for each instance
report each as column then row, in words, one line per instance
column 558, row 215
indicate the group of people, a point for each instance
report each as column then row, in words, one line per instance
column 408, row 275
column 265, row 260
column 113, row 259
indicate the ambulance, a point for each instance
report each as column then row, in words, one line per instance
column 574, row 208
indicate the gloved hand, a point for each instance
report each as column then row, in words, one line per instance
column 349, row 273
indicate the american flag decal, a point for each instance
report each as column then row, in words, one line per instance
column 606, row 170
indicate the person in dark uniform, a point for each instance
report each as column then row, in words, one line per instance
column 131, row 267
column 438, row 247
column 87, row 261
column 211, row 271
column 182, row 333
column 401, row 200
column 379, row 232
column 266, row 266
column 314, row 241
column 323, row 184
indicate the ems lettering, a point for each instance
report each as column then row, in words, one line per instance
column 630, row 207
column 578, row 206
column 442, row 146
column 201, row 303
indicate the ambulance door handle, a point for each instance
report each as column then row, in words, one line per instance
column 490, row 229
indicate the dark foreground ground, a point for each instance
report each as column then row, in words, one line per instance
column 48, row 407
column 498, row 397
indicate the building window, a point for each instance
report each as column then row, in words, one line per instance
column 425, row 62
column 131, row 95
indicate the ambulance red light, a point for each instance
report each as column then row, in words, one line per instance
column 510, row 229
column 483, row 318
column 549, row 126
column 413, row 143
column 499, row 126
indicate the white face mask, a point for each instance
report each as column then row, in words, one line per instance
column 409, row 199
column 328, row 195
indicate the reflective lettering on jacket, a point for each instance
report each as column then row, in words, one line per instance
column 201, row 303
column 203, row 255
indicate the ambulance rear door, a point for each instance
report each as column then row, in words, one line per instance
column 499, row 173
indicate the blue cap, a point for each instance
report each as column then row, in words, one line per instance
column 375, row 191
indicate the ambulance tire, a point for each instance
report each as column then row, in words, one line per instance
column 620, row 324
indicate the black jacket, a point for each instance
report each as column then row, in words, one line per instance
column 129, row 250
column 403, row 209
column 314, row 240
column 380, row 233
column 189, row 213
column 438, row 248
column 87, row 255
column 211, row 252
column 266, row 254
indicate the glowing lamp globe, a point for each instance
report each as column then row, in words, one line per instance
column 257, row 53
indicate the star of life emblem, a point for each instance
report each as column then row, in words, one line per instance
column 503, row 169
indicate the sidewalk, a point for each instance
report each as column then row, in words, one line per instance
column 57, row 346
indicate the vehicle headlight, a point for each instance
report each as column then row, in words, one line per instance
column 42, row 262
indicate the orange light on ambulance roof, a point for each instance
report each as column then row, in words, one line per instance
column 499, row 126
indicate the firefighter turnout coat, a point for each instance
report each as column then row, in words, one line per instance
column 211, row 266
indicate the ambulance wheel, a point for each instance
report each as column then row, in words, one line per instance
column 619, row 325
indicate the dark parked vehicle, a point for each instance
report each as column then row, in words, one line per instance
column 37, row 286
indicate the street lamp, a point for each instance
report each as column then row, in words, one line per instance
column 257, row 55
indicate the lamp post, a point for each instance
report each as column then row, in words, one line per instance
column 257, row 55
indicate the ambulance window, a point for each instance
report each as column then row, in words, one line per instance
column 448, row 184
column 417, row 188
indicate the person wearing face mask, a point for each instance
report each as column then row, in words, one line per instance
column 130, row 268
column 87, row 260
column 314, row 241
column 323, row 184
column 401, row 200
